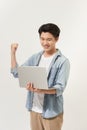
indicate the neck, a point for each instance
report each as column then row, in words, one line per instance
column 49, row 53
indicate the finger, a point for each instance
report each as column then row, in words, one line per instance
column 32, row 85
column 28, row 85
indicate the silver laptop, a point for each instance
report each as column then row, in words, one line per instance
column 34, row 74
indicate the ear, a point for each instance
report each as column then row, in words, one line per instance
column 57, row 39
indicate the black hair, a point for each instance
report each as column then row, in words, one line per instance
column 51, row 28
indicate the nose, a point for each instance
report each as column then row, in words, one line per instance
column 45, row 42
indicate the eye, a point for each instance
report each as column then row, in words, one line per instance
column 49, row 39
column 42, row 39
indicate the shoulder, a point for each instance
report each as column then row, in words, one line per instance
column 34, row 58
column 62, row 60
column 36, row 55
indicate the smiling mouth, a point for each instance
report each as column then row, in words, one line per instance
column 46, row 46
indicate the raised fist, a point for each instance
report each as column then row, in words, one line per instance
column 14, row 47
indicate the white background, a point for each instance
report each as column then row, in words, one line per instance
column 19, row 22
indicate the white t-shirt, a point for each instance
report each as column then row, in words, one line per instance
column 39, row 98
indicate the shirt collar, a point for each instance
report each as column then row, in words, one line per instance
column 58, row 53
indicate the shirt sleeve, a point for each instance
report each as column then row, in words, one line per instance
column 62, row 78
column 14, row 70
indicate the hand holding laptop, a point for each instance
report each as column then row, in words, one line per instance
column 31, row 87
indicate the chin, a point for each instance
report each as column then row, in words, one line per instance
column 47, row 50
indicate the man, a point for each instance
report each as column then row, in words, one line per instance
column 46, row 106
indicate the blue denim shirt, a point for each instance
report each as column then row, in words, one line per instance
column 57, row 79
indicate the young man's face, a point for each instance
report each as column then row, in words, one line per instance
column 48, row 41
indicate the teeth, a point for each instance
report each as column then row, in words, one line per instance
column 46, row 46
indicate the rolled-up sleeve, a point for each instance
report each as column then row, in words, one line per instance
column 14, row 71
column 62, row 77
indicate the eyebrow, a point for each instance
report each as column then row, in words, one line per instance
column 46, row 38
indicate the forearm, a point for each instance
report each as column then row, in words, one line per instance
column 53, row 91
column 13, row 60
column 30, row 87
